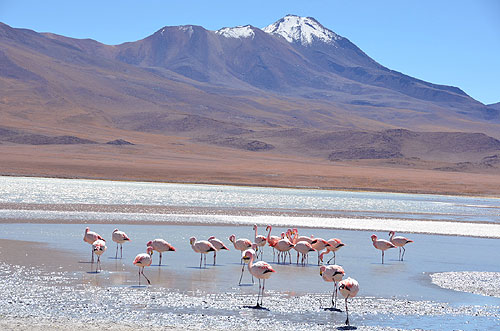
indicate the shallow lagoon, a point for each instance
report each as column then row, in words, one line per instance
column 394, row 295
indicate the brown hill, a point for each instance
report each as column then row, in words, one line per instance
column 190, row 90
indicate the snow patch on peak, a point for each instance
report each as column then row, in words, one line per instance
column 237, row 32
column 303, row 30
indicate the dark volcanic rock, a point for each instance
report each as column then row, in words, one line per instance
column 240, row 143
column 38, row 139
column 119, row 142
column 364, row 153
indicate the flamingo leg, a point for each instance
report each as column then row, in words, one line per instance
column 160, row 259
column 290, row 256
column 116, row 254
column 241, row 276
column 215, row 255
column 404, row 251
column 382, row 257
column 258, row 295
column 145, row 276
column 92, row 260
column 262, row 296
column 347, row 312
column 201, row 258
column 121, row 251
column 98, row 264
column 205, row 260
column 139, row 276
column 333, row 295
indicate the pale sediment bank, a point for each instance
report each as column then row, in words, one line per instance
column 477, row 282
column 468, row 229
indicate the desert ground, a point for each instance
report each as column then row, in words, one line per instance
column 178, row 160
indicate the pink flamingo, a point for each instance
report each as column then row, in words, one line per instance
column 144, row 260
column 98, row 248
column 202, row 247
column 349, row 288
column 218, row 245
column 261, row 270
column 272, row 240
column 260, row 240
column 119, row 237
column 335, row 245
column 298, row 238
column 381, row 244
column 284, row 246
column 399, row 242
column 303, row 247
column 332, row 273
column 319, row 244
column 160, row 246
column 241, row 244
column 89, row 237
column 251, row 250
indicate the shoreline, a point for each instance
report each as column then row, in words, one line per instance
column 256, row 185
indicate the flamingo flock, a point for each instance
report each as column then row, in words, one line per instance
column 251, row 251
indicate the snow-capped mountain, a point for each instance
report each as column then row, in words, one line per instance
column 237, row 32
column 303, row 30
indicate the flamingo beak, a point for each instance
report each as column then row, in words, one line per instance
column 321, row 273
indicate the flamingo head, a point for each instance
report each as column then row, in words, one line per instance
column 322, row 270
column 87, row 229
column 211, row 237
column 149, row 250
column 192, row 240
column 247, row 255
column 268, row 228
column 150, row 243
column 374, row 237
column 391, row 233
column 295, row 231
column 171, row 248
column 232, row 238
column 255, row 227
column 115, row 230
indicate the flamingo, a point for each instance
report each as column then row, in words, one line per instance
column 399, row 242
column 218, row 245
column 144, row 260
column 119, row 237
column 260, row 240
column 89, row 237
column 252, row 250
column 298, row 238
column 335, row 245
column 283, row 246
column 160, row 246
column 332, row 273
column 98, row 248
column 303, row 247
column 241, row 244
column 381, row 244
column 261, row 270
column 319, row 244
column 349, row 288
column 202, row 247
column 272, row 240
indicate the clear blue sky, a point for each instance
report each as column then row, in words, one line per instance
column 453, row 42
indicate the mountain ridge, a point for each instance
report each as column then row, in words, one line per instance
column 240, row 88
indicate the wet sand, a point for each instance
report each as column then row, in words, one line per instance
column 45, row 284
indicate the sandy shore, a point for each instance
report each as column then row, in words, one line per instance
column 172, row 163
